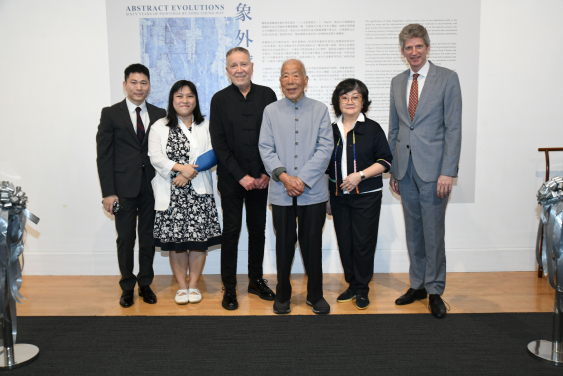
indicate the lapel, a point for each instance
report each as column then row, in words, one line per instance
column 152, row 119
column 192, row 139
column 124, row 111
column 335, row 132
column 403, row 91
column 426, row 90
column 336, row 157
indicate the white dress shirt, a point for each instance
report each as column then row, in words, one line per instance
column 132, row 108
column 423, row 72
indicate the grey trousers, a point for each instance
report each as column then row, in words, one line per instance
column 425, row 216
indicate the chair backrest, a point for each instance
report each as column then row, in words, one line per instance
column 546, row 151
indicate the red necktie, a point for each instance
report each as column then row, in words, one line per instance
column 140, row 127
column 413, row 96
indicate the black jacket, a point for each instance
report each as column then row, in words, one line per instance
column 371, row 147
column 120, row 154
column 234, row 125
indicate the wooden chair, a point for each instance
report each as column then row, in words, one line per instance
column 546, row 151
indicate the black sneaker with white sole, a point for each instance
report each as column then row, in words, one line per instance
column 320, row 307
column 282, row 308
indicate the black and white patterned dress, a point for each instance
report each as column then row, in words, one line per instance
column 190, row 222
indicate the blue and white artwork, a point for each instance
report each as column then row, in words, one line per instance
column 187, row 49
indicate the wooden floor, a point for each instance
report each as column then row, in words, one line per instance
column 465, row 292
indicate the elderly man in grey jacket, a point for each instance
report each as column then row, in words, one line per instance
column 295, row 145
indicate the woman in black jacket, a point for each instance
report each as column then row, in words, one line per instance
column 361, row 154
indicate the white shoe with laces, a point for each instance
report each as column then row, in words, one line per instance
column 194, row 296
column 182, row 297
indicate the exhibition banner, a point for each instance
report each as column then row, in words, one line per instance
column 334, row 39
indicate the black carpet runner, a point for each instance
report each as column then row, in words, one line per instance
column 460, row 344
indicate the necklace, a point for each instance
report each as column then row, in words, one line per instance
column 336, row 165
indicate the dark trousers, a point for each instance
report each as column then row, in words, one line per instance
column 311, row 219
column 141, row 207
column 233, row 196
column 356, row 222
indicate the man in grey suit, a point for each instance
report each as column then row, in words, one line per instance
column 425, row 139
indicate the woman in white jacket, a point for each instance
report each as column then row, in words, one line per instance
column 186, row 222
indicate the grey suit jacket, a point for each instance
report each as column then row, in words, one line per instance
column 434, row 135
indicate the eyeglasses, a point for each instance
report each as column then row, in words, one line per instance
column 346, row 98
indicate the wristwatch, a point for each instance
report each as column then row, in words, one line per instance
column 362, row 175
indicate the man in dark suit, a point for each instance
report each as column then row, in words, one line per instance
column 425, row 139
column 125, row 173
column 234, row 124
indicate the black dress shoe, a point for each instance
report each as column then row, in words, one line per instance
column 260, row 287
column 146, row 293
column 362, row 301
column 282, row 308
column 230, row 299
column 126, row 298
column 346, row 296
column 320, row 307
column 411, row 296
column 437, row 306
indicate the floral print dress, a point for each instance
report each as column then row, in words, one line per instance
column 190, row 222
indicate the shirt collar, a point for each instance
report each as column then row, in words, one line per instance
column 361, row 118
column 423, row 71
column 236, row 89
column 131, row 107
column 298, row 104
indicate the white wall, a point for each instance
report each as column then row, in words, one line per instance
column 55, row 81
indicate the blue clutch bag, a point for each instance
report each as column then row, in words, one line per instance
column 206, row 161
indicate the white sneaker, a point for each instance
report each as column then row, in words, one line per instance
column 182, row 297
column 194, row 296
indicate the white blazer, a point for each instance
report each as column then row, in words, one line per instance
column 200, row 142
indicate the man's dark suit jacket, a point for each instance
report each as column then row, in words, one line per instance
column 121, row 156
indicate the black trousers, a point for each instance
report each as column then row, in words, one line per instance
column 311, row 219
column 233, row 196
column 141, row 207
column 356, row 223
